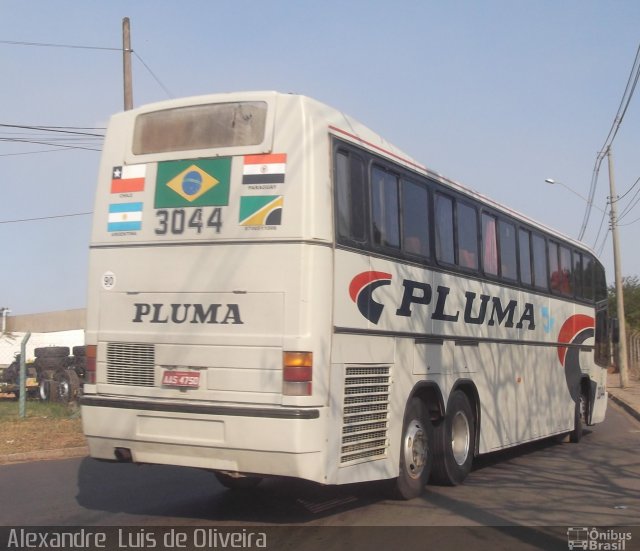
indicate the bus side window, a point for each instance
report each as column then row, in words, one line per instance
column 489, row 245
column 566, row 283
column 507, row 241
column 587, row 277
column 350, row 197
column 524, row 240
column 385, row 208
column 415, row 218
column 578, row 274
column 467, row 223
column 539, row 262
column 444, row 229
column 555, row 276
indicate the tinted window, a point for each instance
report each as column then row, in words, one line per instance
column 539, row 262
column 444, row 229
column 524, row 245
column 467, row 223
column 555, row 277
column 566, row 269
column 577, row 273
column 587, row 277
column 384, row 206
column 489, row 245
column 350, row 190
column 415, row 218
column 507, row 240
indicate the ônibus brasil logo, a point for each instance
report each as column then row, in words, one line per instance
column 360, row 290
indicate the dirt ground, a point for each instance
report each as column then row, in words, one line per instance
column 47, row 426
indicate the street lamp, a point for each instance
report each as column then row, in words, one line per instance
column 555, row 182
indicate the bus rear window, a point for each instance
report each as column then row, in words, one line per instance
column 200, row 127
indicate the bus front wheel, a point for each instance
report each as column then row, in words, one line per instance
column 416, row 455
column 454, row 442
column 578, row 419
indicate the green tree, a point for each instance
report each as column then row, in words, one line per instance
column 631, row 295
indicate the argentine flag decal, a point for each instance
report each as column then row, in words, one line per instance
column 125, row 217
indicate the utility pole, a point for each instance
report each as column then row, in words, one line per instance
column 617, row 264
column 126, row 64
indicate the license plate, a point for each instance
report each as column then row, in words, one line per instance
column 181, row 378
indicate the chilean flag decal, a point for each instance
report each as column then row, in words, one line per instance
column 361, row 291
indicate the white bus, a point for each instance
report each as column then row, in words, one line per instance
column 276, row 290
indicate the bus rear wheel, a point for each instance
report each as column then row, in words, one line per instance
column 454, row 442
column 416, row 457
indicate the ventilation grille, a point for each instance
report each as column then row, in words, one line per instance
column 130, row 364
column 365, row 414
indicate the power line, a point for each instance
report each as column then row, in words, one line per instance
column 51, row 45
column 57, row 150
column 632, row 81
column 153, row 74
column 63, row 138
column 85, row 47
column 45, row 217
column 20, row 140
column 60, row 129
column 629, row 223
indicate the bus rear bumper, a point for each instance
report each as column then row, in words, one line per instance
column 263, row 441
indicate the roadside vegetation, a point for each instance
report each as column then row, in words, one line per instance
column 47, row 426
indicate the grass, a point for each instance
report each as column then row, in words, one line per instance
column 47, row 426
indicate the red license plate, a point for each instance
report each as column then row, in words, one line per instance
column 181, row 378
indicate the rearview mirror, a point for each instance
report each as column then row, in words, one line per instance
column 615, row 331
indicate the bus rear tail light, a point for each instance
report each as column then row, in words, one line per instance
column 297, row 373
column 90, row 366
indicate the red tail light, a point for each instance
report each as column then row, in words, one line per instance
column 297, row 373
column 90, row 367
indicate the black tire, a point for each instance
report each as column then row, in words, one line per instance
column 49, row 363
column 238, row 483
column 79, row 351
column 51, row 352
column 454, row 442
column 578, row 419
column 45, row 390
column 68, row 385
column 416, row 456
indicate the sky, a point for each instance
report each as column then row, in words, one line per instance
column 498, row 95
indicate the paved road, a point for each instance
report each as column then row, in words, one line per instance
column 594, row 483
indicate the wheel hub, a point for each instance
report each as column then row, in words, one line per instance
column 415, row 449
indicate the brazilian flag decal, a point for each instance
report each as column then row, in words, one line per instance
column 261, row 210
column 193, row 183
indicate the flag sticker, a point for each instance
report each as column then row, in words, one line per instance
column 264, row 169
column 261, row 210
column 128, row 178
column 193, row 183
column 125, row 217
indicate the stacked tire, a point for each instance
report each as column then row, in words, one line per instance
column 59, row 381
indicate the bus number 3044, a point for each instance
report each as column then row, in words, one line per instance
column 177, row 221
